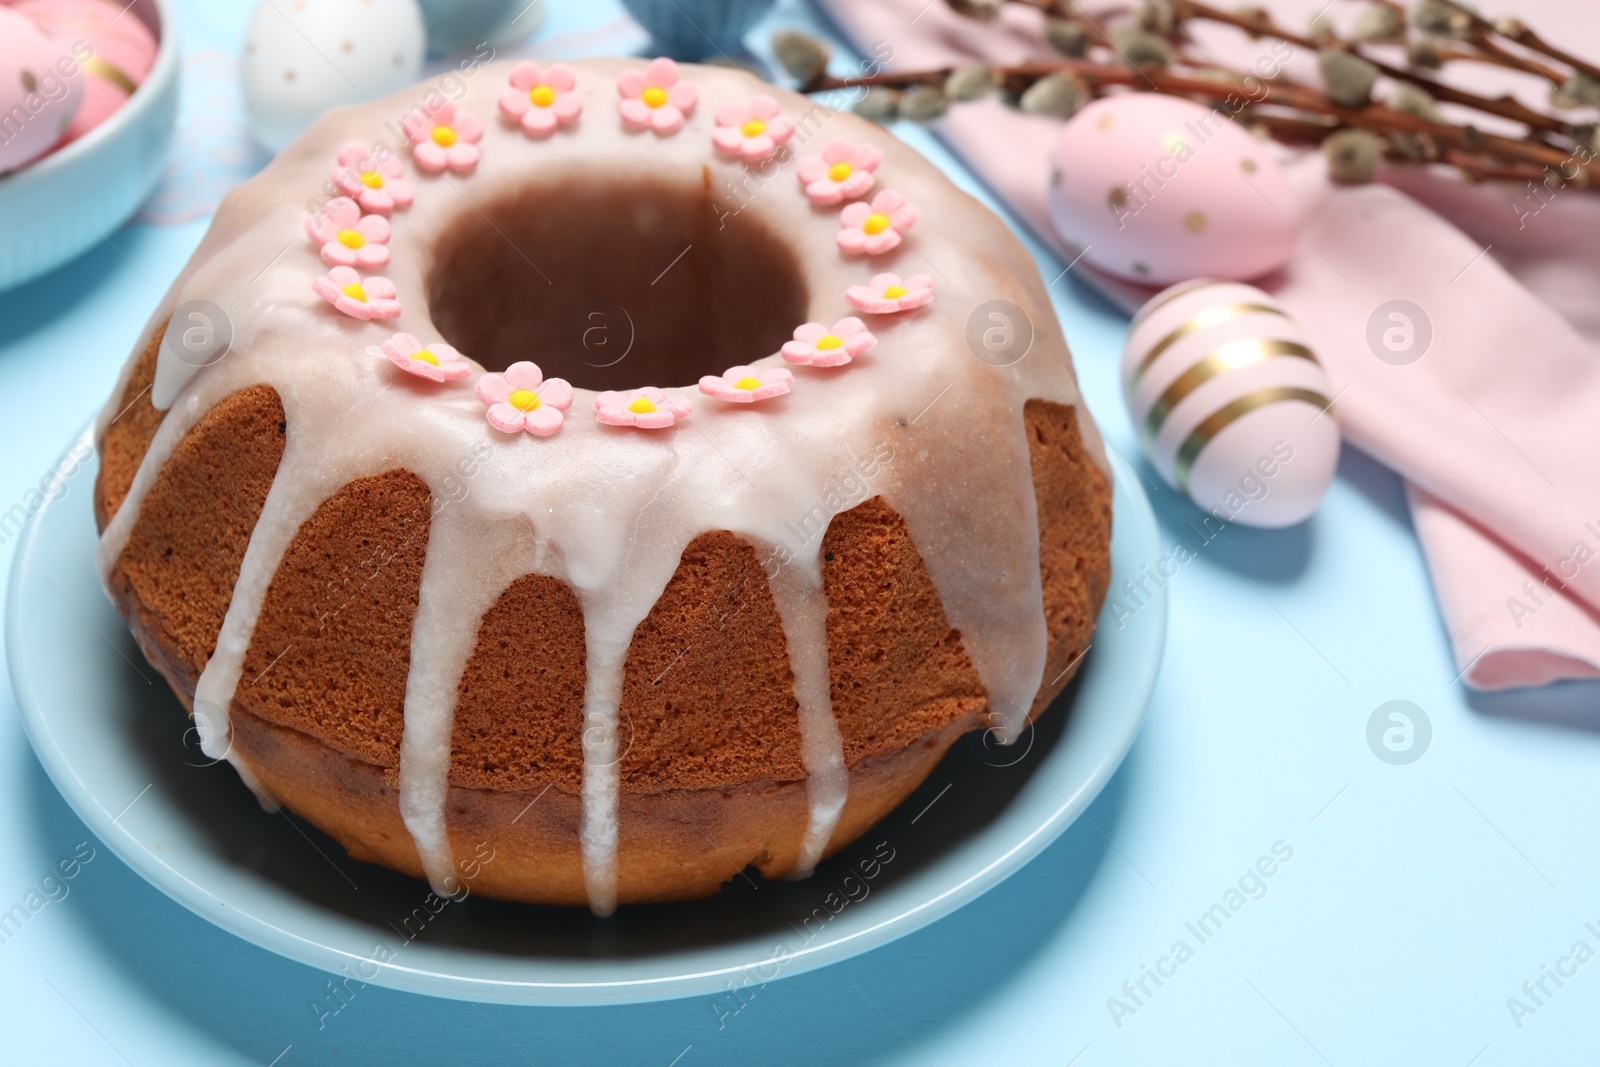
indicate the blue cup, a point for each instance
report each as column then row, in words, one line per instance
column 696, row 30
column 462, row 25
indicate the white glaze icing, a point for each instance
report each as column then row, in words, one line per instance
column 921, row 421
column 457, row 588
column 803, row 610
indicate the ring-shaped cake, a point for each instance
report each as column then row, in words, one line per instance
column 582, row 483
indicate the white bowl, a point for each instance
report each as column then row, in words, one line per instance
column 67, row 202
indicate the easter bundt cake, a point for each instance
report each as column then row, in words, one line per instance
column 629, row 472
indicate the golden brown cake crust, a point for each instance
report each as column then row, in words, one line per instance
column 332, row 648
column 898, row 668
column 707, row 693
column 711, row 776
column 129, row 434
column 1074, row 538
column 177, row 573
column 519, row 715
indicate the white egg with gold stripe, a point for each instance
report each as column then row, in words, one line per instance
column 1230, row 402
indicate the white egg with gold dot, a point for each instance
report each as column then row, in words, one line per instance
column 1230, row 403
column 303, row 57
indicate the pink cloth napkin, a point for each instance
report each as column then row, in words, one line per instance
column 1494, row 428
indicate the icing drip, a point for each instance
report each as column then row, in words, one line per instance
column 294, row 494
column 797, row 592
column 617, row 582
column 458, row 586
column 918, row 419
column 979, row 536
column 602, row 698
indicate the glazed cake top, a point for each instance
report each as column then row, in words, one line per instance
column 635, row 230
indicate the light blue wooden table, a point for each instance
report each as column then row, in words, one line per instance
column 1405, row 906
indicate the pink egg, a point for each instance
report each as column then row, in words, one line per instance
column 1232, row 407
column 1159, row 190
column 41, row 89
column 118, row 52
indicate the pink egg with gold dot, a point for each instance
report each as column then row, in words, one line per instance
column 1159, row 190
column 117, row 52
column 41, row 90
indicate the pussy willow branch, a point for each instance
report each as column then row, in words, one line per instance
column 1290, row 129
column 1470, row 149
column 1505, row 107
column 1552, row 148
column 1493, row 52
column 1487, row 52
column 1518, row 33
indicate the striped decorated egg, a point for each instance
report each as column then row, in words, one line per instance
column 1230, row 403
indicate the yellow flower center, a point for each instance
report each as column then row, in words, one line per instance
column 444, row 136
column 541, row 96
column 351, row 239
column 372, row 179
column 753, row 128
column 425, row 357
column 894, row 292
column 523, row 400
column 654, row 96
column 876, row 223
column 641, row 407
column 840, row 171
column 829, row 341
column 355, row 292
column 749, row 384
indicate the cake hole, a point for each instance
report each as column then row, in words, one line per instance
column 614, row 283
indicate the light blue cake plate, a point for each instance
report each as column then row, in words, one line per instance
column 119, row 747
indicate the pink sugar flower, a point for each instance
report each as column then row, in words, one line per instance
column 816, row 345
column 524, row 399
column 752, row 131
column 347, row 237
column 370, row 298
column 654, row 98
column 746, row 385
column 541, row 100
column 844, row 172
column 889, row 293
column 376, row 184
column 443, row 138
column 875, row 228
column 648, row 408
column 436, row 362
